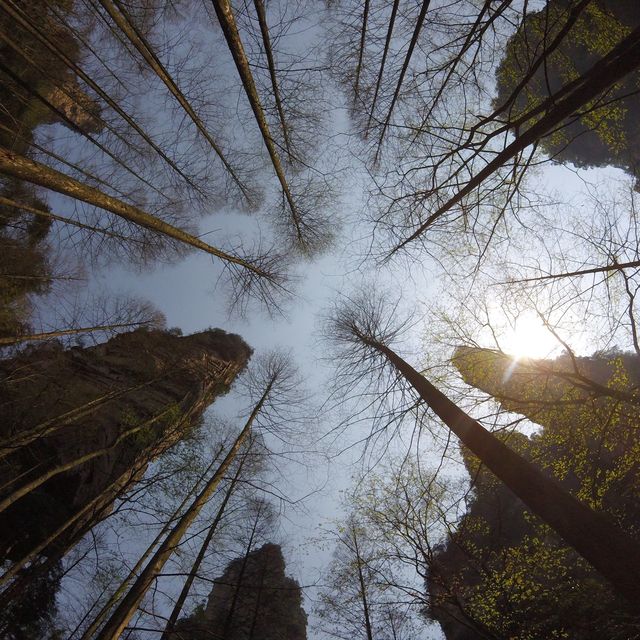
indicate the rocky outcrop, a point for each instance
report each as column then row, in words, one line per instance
column 127, row 400
column 502, row 573
column 252, row 600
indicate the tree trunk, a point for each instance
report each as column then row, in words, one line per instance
column 234, row 601
column 25, row 169
column 33, row 484
column 363, row 35
column 608, row 549
column 120, row 16
column 385, row 52
column 177, row 609
column 23, row 20
column 8, row 445
column 227, row 22
column 363, row 587
column 52, row 216
column 46, row 335
column 128, row 605
column 581, row 272
column 72, row 125
column 266, row 40
column 623, row 59
column 403, row 71
column 119, row 592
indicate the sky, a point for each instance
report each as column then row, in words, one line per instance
column 186, row 294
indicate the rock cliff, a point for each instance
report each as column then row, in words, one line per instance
column 502, row 573
column 252, row 599
column 102, row 414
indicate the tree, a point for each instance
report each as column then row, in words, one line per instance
column 275, row 372
column 65, row 477
column 347, row 603
column 364, row 327
column 603, row 135
column 502, row 570
column 258, row 275
column 310, row 231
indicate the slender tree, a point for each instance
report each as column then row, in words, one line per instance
column 120, row 16
column 195, row 567
column 260, row 271
column 365, row 327
column 309, row 234
column 275, row 372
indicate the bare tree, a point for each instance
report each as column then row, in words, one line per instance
column 363, row 328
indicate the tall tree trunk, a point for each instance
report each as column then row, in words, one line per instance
column 22, row 19
column 243, row 567
column 128, row 605
column 120, row 591
column 34, row 483
column 256, row 611
column 37, row 549
column 228, row 23
column 72, row 124
column 471, row 36
column 119, row 15
column 21, row 439
column 593, row 535
column 177, row 609
column 266, row 40
column 403, row 71
column 75, row 223
column 363, row 35
column 46, row 335
column 385, row 52
column 581, row 272
column 25, row 169
column 363, row 586
column 620, row 61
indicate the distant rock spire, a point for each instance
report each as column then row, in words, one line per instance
column 264, row 604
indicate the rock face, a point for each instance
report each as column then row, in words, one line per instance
column 503, row 573
column 601, row 136
column 252, row 600
column 113, row 408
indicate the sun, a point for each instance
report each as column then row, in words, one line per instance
column 528, row 338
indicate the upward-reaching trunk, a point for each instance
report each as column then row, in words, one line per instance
column 25, row 169
column 243, row 567
column 31, row 555
column 32, row 484
column 363, row 585
column 475, row 33
column 620, row 61
column 232, row 36
column 363, row 36
column 266, row 40
column 177, row 608
column 21, row 439
column 385, row 52
column 8, row 202
column 33, row 91
column 22, row 19
column 593, row 535
column 120, row 16
column 120, row 591
column 128, row 605
column 46, row 335
column 403, row 71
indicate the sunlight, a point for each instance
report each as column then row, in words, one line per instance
column 528, row 338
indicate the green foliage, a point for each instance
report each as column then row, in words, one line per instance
column 606, row 132
column 514, row 577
